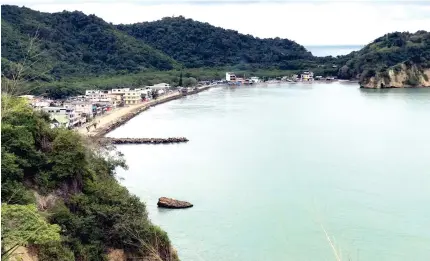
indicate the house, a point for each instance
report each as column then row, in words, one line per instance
column 39, row 104
column 84, row 110
column 145, row 92
column 72, row 118
column 255, row 79
column 98, row 95
column 230, row 76
column 132, row 97
column 307, row 76
column 120, row 91
column 159, row 86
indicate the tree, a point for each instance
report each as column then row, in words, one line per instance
column 154, row 94
column 180, row 80
column 22, row 225
column 189, row 82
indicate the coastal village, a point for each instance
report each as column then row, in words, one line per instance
column 305, row 76
column 84, row 111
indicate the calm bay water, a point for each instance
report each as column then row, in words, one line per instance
column 266, row 167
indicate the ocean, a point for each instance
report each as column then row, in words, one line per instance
column 333, row 50
column 272, row 169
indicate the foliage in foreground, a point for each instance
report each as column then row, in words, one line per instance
column 94, row 212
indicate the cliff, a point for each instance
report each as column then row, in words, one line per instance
column 398, row 77
column 399, row 59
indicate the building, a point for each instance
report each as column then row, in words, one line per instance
column 66, row 117
column 84, row 110
column 160, row 86
column 98, row 95
column 229, row 76
column 255, row 79
column 39, row 104
column 307, row 76
column 132, row 97
column 120, row 91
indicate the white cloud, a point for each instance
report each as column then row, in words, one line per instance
column 317, row 22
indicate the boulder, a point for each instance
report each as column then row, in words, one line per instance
column 164, row 202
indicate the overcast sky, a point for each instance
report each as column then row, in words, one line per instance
column 312, row 22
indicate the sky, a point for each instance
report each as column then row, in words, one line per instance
column 308, row 22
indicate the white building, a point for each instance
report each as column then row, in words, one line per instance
column 159, row 86
column 120, row 91
column 229, row 76
column 85, row 110
column 98, row 95
column 255, row 79
column 40, row 104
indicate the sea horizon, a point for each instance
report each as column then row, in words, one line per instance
column 333, row 50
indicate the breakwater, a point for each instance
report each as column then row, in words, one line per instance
column 145, row 140
column 102, row 131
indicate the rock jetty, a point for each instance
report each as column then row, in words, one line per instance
column 164, row 202
column 146, row 140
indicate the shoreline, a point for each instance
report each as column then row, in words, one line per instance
column 117, row 118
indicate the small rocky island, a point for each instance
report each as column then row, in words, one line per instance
column 164, row 202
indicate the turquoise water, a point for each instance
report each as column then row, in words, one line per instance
column 267, row 167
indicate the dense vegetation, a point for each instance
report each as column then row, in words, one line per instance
column 388, row 51
column 82, row 210
column 197, row 44
column 74, row 51
column 72, row 43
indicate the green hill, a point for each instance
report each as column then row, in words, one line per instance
column 404, row 54
column 196, row 44
column 72, row 43
column 80, row 50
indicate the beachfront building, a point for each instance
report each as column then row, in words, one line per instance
column 255, row 79
column 115, row 99
column 307, row 76
column 230, row 76
column 132, row 97
column 84, row 110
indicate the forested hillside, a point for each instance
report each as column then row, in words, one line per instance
column 72, row 43
column 197, row 44
column 394, row 51
column 72, row 48
column 82, row 212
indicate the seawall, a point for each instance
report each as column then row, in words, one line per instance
column 145, row 140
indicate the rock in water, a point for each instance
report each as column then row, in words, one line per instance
column 164, row 202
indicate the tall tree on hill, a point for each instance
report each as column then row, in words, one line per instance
column 180, row 80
